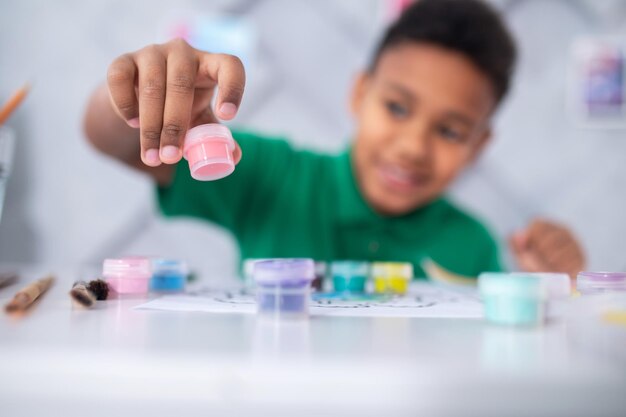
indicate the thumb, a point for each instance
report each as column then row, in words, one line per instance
column 518, row 242
column 524, row 255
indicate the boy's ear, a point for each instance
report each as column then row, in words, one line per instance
column 483, row 140
column 358, row 91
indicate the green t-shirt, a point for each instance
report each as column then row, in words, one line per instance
column 281, row 202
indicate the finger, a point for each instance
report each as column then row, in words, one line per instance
column 228, row 72
column 538, row 227
column 237, row 154
column 559, row 256
column 518, row 241
column 550, row 240
column 527, row 261
column 182, row 67
column 569, row 259
column 121, row 83
column 152, row 73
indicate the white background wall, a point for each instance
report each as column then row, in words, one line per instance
column 66, row 204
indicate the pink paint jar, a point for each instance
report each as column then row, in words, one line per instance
column 209, row 150
column 129, row 275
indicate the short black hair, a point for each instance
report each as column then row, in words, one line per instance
column 470, row 27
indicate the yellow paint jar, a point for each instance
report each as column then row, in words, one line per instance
column 391, row 277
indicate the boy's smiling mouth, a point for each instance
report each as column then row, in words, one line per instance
column 397, row 179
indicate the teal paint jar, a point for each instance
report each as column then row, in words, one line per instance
column 349, row 276
column 513, row 299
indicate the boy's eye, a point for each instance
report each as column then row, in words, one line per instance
column 396, row 109
column 451, row 134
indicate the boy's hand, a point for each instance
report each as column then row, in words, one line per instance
column 165, row 89
column 547, row 247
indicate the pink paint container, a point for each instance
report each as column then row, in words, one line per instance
column 129, row 275
column 209, row 150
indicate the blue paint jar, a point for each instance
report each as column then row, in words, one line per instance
column 283, row 287
column 168, row 275
column 349, row 276
column 513, row 299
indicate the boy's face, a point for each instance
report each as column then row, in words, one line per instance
column 422, row 116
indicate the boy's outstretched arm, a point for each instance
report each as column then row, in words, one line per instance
column 153, row 96
column 548, row 247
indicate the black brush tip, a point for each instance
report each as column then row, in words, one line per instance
column 99, row 288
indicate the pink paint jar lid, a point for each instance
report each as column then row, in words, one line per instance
column 132, row 267
column 209, row 150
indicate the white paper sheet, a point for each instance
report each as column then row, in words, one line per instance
column 422, row 300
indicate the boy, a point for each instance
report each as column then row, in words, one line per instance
column 422, row 109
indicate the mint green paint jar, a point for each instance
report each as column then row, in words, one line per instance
column 513, row 299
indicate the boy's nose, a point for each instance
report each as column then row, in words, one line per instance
column 416, row 144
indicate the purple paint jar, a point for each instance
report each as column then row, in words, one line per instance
column 589, row 282
column 283, row 286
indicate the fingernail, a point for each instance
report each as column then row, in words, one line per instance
column 151, row 157
column 134, row 123
column 228, row 110
column 170, row 152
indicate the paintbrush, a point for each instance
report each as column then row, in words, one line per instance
column 10, row 106
column 26, row 296
column 81, row 295
column 7, row 278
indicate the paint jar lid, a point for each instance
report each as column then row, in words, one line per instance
column 213, row 131
column 162, row 265
column 555, row 284
column 128, row 267
column 349, row 268
column 291, row 271
column 397, row 269
column 510, row 285
column 320, row 268
column 615, row 281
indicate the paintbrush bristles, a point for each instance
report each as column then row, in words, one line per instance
column 13, row 102
column 99, row 288
column 82, row 296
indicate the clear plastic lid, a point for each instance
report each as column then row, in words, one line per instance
column 349, row 268
column 512, row 285
column 293, row 271
column 392, row 269
column 128, row 267
column 556, row 285
column 601, row 280
column 176, row 266
column 210, row 131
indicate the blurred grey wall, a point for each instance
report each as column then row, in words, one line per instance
column 66, row 204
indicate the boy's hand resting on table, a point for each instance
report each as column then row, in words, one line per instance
column 163, row 90
column 547, row 247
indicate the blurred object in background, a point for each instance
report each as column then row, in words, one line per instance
column 217, row 33
column 597, row 89
column 395, row 8
column 7, row 137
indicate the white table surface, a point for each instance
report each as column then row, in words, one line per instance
column 113, row 360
